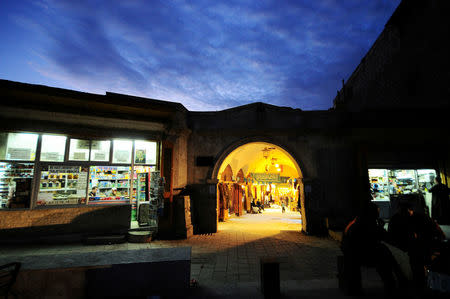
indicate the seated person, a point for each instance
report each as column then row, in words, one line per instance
column 255, row 209
column 362, row 245
column 413, row 231
column 113, row 192
column 93, row 192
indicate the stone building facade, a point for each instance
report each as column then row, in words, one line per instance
column 392, row 112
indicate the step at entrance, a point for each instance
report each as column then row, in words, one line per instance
column 140, row 236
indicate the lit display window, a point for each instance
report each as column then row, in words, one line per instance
column 62, row 185
column 100, row 150
column 18, row 146
column 79, row 150
column 122, row 151
column 144, row 152
column 109, row 185
column 53, row 148
column 15, row 185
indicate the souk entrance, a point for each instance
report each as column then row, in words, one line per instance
column 258, row 177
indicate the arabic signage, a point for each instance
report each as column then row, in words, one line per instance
column 266, row 177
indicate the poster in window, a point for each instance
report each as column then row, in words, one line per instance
column 19, row 154
column 140, row 156
column 83, row 144
column 122, row 156
column 95, row 145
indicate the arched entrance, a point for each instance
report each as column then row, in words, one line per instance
column 262, row 173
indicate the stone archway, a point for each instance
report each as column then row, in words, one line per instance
column 227, row 174
column 265, row 163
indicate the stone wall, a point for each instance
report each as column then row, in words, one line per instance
column 407, row 66
column 58, row 221
column 316, row 140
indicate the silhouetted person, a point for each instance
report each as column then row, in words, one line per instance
column 255, row 207
column 362, row 246
column 260, row 206
column 440, row 202
column 415, row 232
column 400, row 229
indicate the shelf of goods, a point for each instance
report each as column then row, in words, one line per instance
column 10, row 173
column 107, row 178
column 62, row 187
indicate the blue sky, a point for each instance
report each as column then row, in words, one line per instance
column 207, row 55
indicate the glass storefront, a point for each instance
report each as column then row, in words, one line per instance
column 141, row 190
column 62, row 185
column 73, row 171
column 109, row 184
column 392, row 183
column 15, row 185
column 18, row 146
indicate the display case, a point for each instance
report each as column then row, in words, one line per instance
column 62, row 185
column 140, row 188
column 112, row 182
column 15, row 184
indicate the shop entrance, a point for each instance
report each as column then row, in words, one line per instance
column 257, row 177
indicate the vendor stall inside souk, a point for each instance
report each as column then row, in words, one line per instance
column 257, row 174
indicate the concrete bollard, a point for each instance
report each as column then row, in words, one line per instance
column 270, row 277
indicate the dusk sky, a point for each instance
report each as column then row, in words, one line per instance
column 207, row 55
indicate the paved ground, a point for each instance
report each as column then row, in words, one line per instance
column 227, row 263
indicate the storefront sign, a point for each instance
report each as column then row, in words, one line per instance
column 266, row 177
column 63, row 169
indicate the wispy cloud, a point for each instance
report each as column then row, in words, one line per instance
column 208, row 55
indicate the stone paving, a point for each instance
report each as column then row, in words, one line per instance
column 228, row 261
column 226, row 264
column 231, row 256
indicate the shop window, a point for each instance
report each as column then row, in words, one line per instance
column 62, row 185
column 144, row 152
column 122, row 151
column 15, row 185
column 109, row 185
column 18, row 146
column 79, row 150
column 403, row 181
column 426, row 179
column 53, row 148
column 100, row 150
